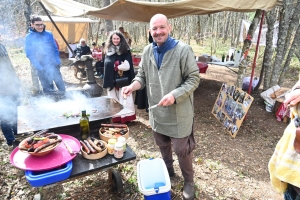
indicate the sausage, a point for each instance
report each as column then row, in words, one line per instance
column 89, row 146
column 94, row 145
column 46, row 145
column 85, row 148
column 115, row 125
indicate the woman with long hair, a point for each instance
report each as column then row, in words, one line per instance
column 118, row 63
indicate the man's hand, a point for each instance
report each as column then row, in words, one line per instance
column 167, row 100
column 292, row 98
column 127, row 90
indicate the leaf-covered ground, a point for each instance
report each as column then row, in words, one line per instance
column 225, row 168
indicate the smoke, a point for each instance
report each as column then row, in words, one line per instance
column 70, row 101
column 13, row 25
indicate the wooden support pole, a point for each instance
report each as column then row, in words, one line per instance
column 42, row 5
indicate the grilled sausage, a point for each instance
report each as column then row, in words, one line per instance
column 115, row 125
column 85, row 148
column 94, row 145
column 46, row 145
column 89, row 146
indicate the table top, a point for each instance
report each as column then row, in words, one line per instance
column 50, row 115
column 82, row 165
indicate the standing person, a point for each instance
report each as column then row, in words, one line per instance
column 169, row 72
column 118, row 59
column 284, row 163
column 126, row 35
column 9, row 100
column 43, row 53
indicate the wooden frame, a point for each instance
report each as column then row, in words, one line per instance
column 231, row 107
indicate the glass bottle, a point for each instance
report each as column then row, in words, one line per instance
column 223, row 57
column 84, row 126
column 111, row 146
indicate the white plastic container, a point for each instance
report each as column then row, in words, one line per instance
column 123, row 141
column 153, row 179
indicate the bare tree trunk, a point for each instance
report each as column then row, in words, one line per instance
column 292, row 27
column 297, row 53
column 283, row 27
column 109, row 24
column 227, row 26
column 286, row 66
column 27, row 13
column 267, row 61
column 247, row 43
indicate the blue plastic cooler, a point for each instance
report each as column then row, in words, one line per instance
column 153, row 179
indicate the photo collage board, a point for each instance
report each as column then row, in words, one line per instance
column 231, row 107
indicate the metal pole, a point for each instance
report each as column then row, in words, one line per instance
column 256, row 51
column 56, row 27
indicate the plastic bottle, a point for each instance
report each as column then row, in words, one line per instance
column 84, row 126
column 111, row 146
column 123, row 141
column 119, row 150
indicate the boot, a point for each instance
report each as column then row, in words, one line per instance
column 171, row 171
column 188, row 191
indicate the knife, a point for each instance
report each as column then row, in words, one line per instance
column 69, row 148
column 154, row 106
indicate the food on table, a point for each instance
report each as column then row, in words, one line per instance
column 113, row 130
column 40, row 141
column 92, row 145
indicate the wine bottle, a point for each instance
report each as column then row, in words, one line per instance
column 231, row 57
column 84, row 126
column 223, row 58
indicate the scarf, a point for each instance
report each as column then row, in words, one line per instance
column 111, row 50
column 159, row 51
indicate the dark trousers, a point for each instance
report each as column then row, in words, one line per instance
column 49, row 75
column 291, row 193
column 9, row 117
column 183, row 148
column 100, row 67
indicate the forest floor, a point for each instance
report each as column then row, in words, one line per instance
column 225, row 168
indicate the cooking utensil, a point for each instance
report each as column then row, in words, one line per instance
column 154, row 106
column 69, row 148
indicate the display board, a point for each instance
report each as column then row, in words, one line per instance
column 231, row 107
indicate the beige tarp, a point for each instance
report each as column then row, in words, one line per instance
column 73, row 29
column 142, row 11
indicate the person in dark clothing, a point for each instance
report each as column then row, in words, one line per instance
column 100, row 65
column 82, row 49
column 9, row 99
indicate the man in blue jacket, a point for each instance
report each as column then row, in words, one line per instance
column 43, row 53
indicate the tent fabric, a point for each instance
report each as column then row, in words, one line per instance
column 73, row 29
column 142, row 11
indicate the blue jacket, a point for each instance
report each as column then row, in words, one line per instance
column 41, row 49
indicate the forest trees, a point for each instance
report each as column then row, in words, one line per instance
column 274, row 68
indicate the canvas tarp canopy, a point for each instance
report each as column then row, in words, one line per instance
column 73, row 29
column 142, row 11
